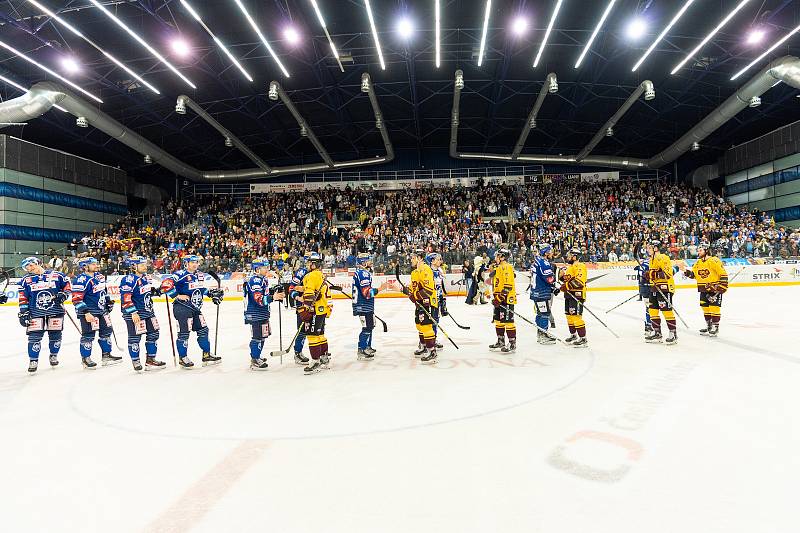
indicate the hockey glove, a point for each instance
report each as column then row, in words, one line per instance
column 155, row 291
column 443, row 307
column 306, row 313
column 24, row 318
column 556, row 290
column 109, row 305
column 688, row 274
column 61, row 297
column 3, row 298
column 405, row 291
column 216, row 295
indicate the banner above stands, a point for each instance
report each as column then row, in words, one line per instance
column 387, row 185
column 585, row 177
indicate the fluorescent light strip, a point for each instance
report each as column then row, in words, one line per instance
column 327, row 34
column 485, row 31
column 437, row 10
column 23, row 89
column 547, row 33
column 142, row 42
column 710, row 35
column 596, row 31
column 765, row 54
column 82, row 36
column 375, row 34
column 662, row 34
column 52, row 73
column 260, row 36
column 219, row 43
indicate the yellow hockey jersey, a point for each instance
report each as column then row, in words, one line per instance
column 574, row 279
column 709, row 270
column 423, row 285
column 661, row 273
column 504, row 282
column 315, row 292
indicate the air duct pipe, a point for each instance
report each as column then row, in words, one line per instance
column 184, row 102
column 30, row 105
column 276, row 91
column 550, row 86
column 607, row 130
column 785, row 69
column 77, row 106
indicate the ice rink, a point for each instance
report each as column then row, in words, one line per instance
column 621, row 437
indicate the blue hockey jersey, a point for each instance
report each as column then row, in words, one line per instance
column 136, row 297
column 37, row 293
column 363, row 293
column 182, row 282
column 89, row 293
column 257, row 298
column 543, row 278
column 438, row 282
column 296, row 285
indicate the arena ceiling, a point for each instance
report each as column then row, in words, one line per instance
column 416, row 96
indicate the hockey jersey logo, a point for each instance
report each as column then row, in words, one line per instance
column 703, row 272
column 44, row 301
column 197, row 297
column 43, row 286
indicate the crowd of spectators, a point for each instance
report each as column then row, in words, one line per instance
column 605, row 220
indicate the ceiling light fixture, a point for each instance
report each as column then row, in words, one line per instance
column 710, row 35
column 51, row 72
column 756, row 36
column 70, row 65
column 71, row 28
column 636, row 29
column 405, row 28
column 181, row 48
column 291, row 34
column 142, row 42
column 486, row 15
column 438, row 18
column 547, row 33
column 375, row 34
column 661, row 35
column 765, row 54
column 519, row 26
column 327, row 34
column 595, row 32
column 260, row 36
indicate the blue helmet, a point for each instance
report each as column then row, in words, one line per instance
column 363, row 258
column 30, row 261
column 260, row 262
column 136, row 260
column 545, row 248
column 86, row 261
column 192, row 259
column 314, row 257
column 431, row 257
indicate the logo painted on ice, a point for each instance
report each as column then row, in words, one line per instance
column 197, row 299
column 44, row 300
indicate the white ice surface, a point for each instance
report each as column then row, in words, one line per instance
column 625, row 436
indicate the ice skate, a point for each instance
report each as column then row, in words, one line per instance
column 300, row 359
column 53, row 359
column 706, row 331
column 511, row 348
column 153, row 364
column 672, row 337
column 581, row 343
column 714, row 330
column 33, row 365
column 421, row 351
column 654, row 337
column 499, row 345
column 258, row 364
column 185, row 363
column 137, row 365
column 430, row 358
column 572, row 338
column 364, row 355
column 370, row 350
column 109, row 359
column 209, row 359
column 88, row 364
column 545, row 338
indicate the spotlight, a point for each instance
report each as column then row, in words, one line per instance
column 292, row 35
column 147, row 159
column 181, row 48
column 228, row 142
column 636, row 29
column 519, row 26
column 70, row 65
column 610, row 132
column 459, row 79
column 82, row 122
column 553, row 88
column 365, row 83
column 273, row 91
column 755, row 101
column 756, row 36
column 695, row 146
column 533, row 123
column 405, row 28
column 303, row 130
column 180, row 106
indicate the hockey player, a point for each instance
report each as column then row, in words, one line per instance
column 504, row 298
column 574, row 286
column 296, row 294
column 187, row 288
column 712, row 283
column 93, row 306
column 42, row 294
column 543, row 280
column 644, row 289
column 435, row 261
column 136, row 292
column 364, row 305
column 314, row 310
column 257, row 297
column 423, row 293
column 662, row 290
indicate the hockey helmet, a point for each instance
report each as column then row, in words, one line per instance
column 704, row 245
column 192, row 259
column 545, row 248
column 363, row 258
column 86, row 261
column 30, row 261
column 260, row 262
column 431, row 257
column 136, row 260
column 314, row 257
column 574, row 251
column 503, row 252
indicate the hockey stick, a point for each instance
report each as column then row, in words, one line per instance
column 531, row 322
column 338, row 288
column 589, row 311
column 636, row 250
column 450, row 314
column 623, row 302
column 77, row 328
column 171, row 334
column 405, row 289
column 283, row 351
column 216, row 326
column 729, row 281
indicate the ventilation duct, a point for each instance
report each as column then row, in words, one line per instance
column 785, row 69
column 550, row 86
column 80, row 108
column 30, row 105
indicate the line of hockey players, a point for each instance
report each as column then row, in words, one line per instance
column 43, row 293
